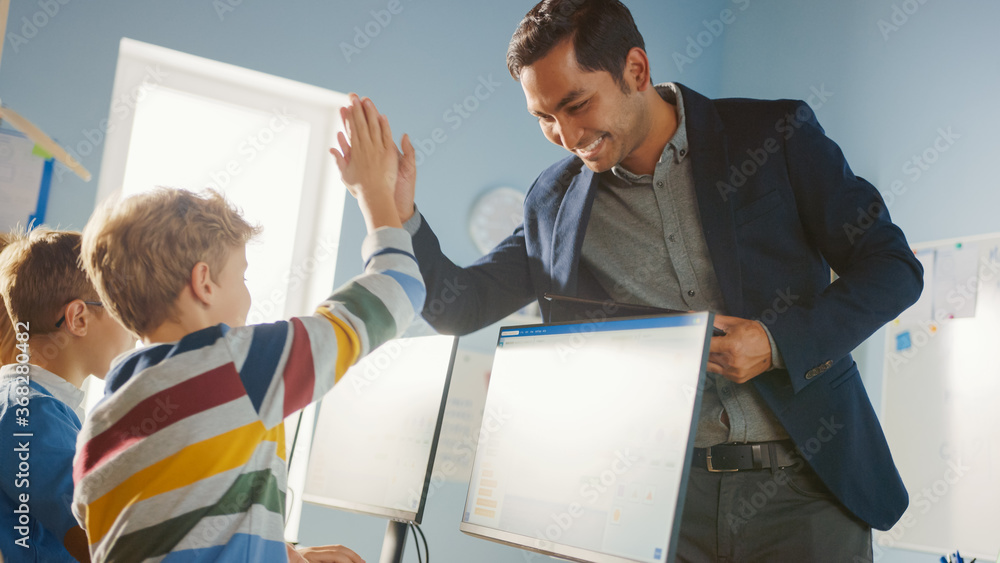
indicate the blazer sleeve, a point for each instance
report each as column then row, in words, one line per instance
column 463, row 300
column 847, row 220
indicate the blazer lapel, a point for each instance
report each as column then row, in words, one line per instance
column 707, row 140
column 569, row 229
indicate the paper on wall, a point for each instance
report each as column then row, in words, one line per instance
column 923, row 309
column 463, row 416
column 21, row 174
column 956, row 281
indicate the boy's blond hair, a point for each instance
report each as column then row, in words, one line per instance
column 140, row 251
column 39, row 274
column 7, row 355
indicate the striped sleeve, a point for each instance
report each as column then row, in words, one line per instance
column 287, row 365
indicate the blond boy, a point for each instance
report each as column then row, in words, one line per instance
column 184, row 458
column 61, row 335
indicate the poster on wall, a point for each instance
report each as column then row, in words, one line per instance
column 25, row 177
column 956, row 280
column 923, row 309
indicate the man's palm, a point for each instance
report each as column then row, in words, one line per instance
column 406, row 180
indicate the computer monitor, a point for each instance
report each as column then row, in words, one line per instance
column 377, row 430
column 583, row 450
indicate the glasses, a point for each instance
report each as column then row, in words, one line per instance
column 62, row 319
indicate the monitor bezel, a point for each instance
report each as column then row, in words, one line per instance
column 399, row 515
column 578, row 554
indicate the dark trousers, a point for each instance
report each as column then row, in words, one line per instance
column 759, row 516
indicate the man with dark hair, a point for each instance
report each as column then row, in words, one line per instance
column 736, row 206
column 611, row 33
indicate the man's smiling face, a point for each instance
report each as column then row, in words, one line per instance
column 586, row 113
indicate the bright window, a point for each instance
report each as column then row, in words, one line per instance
column 183, row 121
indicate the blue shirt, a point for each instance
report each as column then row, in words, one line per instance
column 37, row 461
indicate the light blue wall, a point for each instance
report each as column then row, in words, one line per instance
column 427, row 58
column 895, row 73
column 891, row 95
column 939, row 70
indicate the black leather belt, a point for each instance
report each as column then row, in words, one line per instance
column 742, row 457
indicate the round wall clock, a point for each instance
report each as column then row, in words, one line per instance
column 494, row 216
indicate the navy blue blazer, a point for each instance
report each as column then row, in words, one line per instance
column 779, row 208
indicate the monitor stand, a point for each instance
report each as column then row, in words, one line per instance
column 394, row 542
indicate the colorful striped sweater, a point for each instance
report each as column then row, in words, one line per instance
column 184, row 458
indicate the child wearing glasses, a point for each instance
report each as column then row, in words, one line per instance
column 58, row 335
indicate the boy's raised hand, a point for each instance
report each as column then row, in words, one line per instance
column 369, row 162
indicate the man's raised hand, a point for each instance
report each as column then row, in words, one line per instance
column 406, row 180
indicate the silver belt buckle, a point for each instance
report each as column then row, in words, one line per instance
column 708, row 456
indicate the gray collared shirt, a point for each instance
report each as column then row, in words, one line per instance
column 645, row 245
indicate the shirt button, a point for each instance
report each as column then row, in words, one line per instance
column 691, row 292
column 659, row 184
column 683, row 152
column 672, row 238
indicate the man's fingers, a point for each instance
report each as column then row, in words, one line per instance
column 719, row 345
column 734, row 368
column 386, row 132
column 729, row 372
column 409, row 154
column 723, row 321
column 718, row 359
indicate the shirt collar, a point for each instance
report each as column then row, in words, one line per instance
column 56, row 386
column 677, row 148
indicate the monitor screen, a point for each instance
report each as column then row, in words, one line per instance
column 583, row 450
column 377, row 430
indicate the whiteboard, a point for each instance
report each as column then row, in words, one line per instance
column 940, row 402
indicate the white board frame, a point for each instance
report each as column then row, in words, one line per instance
column 951, row 507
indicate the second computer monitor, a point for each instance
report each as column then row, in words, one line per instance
column 585, row 436
column 378, row 427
